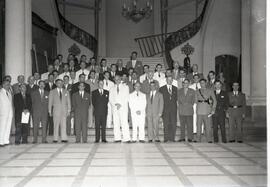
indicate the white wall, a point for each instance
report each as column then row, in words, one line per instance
column 220, row 34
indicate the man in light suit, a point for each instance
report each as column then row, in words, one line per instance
column 136, row 64
column 118, row 99
column 181, row 78
column 59, row 100
column 137, row 105
column 6, row 113
column 236, row 113
column 169, row 115
column 83, row 71
column 154, row 110
column 206, row 106
column 186, row 100
column 81, row 101
column 40, row 99
column 100, row 99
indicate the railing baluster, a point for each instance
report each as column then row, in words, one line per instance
column 139, row 42
column 145, row 48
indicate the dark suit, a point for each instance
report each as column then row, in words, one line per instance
column 20, row 104
column 80, row 107
column 185, row 103
column 68, row 88
column 169, row 113
column 40, row 113
column 122, row 71
column 75, row 88
column 138, row 67
column 50, row 118
column 48, row 87
column 100, row 104
column 220, row 114
column 237, row 107
column 30, row 90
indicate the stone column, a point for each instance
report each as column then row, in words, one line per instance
column 258, row 48
column 18, row 39
column 28, row 38
column 258, row 58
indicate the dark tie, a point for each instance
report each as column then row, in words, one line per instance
column 7, row 93
column 196, row 86
column 60, row 93
column 106, row 83
column 137, row 94
column 158, row 74
column 117, row 89
column 152, row 96
column 170, row 90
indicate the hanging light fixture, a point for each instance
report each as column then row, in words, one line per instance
column 134, row 13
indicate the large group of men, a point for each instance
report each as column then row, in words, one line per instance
column 77, row 94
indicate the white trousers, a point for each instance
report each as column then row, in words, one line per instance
column 138, row 122
column 5, row 127
column 109, row 116
column 195, row 120
column 120, row 120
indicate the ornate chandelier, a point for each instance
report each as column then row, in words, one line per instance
column 135, row 14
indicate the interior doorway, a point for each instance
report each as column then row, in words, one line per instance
column 230, row 66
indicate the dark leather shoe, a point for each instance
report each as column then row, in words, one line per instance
column 141, row 141
column 150, row 141
column 181, row 140
column 117, row 141
column 240, row 141
column 210, row 142
column 34, row 142
column 232, row 141
column 55, row 141
column 189, row 140
column 104, row 141
column 45, row 141
column 157, row 141
column 64, row 141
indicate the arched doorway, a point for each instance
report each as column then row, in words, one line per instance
column 230, row 66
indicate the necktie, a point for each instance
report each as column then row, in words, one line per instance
column 41, row 94
column 196, row 86
column 106, row 83
column 60, row 93
column 7, row 93
column 152, row 96
column 158, row 74
column 117, row 89
column 170, row 90
column 137, row 94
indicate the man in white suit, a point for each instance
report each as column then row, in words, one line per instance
column 137, row 105
column 6, row 113
column 59, row 99
column 118, row 99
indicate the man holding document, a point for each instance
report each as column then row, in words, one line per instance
column 23, row 106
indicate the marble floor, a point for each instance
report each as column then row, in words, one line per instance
column 134, row 165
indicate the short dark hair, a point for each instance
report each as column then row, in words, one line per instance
column 146, row 66
column 218, row 81
column 41, row 82
column 196, row 75
column 212, row 72
column 203, row 80
column 134, row 52
column 81, row 75
column 57, row 80
column 66, row 76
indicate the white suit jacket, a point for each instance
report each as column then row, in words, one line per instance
column 137, row 102
column 5, row 102
column 121, row 97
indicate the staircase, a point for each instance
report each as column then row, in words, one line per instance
column 76, row 33
column 158, row 44
column 152, row 62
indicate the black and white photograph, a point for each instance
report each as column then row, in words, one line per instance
column 134, row 93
